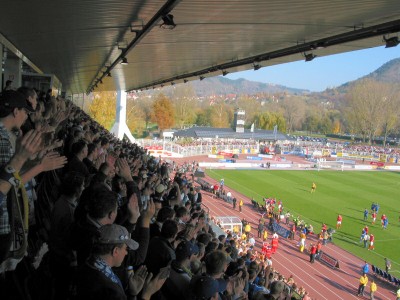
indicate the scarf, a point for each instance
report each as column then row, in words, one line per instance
column 100, row 265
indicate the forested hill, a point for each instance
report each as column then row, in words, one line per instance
column 221, row 86
column 388, row 73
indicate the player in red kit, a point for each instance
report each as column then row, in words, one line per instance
column 371, row 242
column 373, row 217
column 339, row 221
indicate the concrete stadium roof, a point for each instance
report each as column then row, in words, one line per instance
column 81, row 41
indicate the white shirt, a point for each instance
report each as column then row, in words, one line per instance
column 252, row 241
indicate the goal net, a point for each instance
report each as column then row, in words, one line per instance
column 330, row 165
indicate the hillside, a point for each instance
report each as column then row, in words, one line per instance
column 223, row 86
column 220, row 86
column 388, row 72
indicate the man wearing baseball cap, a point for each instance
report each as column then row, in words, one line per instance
column 180, row 276
column 96, row 277
column 14, row 110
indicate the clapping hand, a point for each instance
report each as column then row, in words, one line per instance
column 133, row 208
column 137, row 281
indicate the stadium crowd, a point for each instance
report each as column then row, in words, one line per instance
column 84, row 215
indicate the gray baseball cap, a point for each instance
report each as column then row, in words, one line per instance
column 116, row 234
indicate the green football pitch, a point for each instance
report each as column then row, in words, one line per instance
column 347, row 193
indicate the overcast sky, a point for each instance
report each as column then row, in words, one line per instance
column 323, row 72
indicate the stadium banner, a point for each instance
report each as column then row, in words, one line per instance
column 346, row 161
column 215, row 156
column 253, row 158
column 266, row 155
column 280, row 230
column 377, row 163
column 281, row 166
column 363, row 167
column 328, row 260
column 397, row 168
column 226, row 161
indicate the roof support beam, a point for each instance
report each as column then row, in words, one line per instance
column 356, row 34
column 140, row 34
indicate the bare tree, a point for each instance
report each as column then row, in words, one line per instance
column 365, row 107
column 390, row 110
column 294, row 111
column 185, row 104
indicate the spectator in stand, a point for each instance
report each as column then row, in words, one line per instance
column 96, row 279
column 61, row 255
column 8, row 86
column 161, row 250
column 91, row 160
column 164, row 214
column 14, row 110
column 79, row 151
column 180, row 275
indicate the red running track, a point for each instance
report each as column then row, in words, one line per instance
column 321, row 281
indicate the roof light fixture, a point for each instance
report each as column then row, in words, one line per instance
column 168, row 22
column 309, row 56
column 256, row 67
column 124, row 61
column 391, row 42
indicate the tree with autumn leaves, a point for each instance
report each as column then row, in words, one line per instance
column 103, row 108
column 163, row 112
